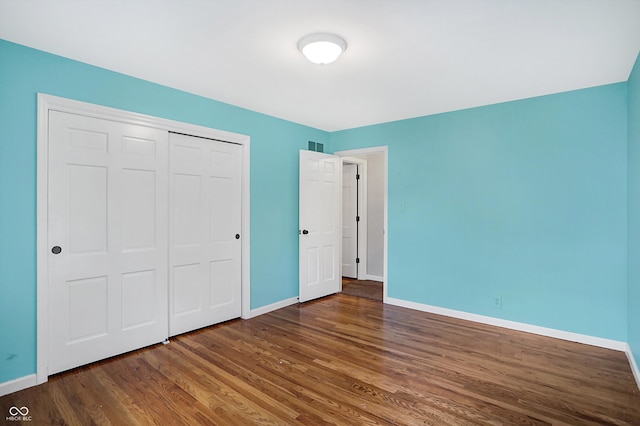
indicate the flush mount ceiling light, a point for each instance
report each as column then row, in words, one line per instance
column 322, row 48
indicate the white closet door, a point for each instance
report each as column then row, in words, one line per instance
column 204, row 233
column 107, row 233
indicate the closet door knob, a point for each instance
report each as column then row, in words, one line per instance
column 237, row 236
column 56, row 249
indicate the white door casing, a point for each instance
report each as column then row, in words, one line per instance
column 205, row 245
column 107, row 214
column 349, row 223
column 320, row 224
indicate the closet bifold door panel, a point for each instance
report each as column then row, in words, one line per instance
column 108, row 239
column 204, row 232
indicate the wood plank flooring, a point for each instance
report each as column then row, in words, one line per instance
column 362, row 288
column 346, row 361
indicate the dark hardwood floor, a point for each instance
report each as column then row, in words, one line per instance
column 362, row 288
column 347, row 361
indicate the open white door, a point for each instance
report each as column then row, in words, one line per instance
column 320, row 224
column 350, row 221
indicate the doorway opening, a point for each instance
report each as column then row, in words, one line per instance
column 364, row 239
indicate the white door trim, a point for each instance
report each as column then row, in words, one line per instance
column 49, row 102
column 385, row 151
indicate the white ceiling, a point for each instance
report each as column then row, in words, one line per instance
column 405, row 58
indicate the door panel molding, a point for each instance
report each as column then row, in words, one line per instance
column 48, row 103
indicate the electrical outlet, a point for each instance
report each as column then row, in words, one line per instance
column 497, row 302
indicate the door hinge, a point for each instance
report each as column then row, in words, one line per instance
column 358, row 176
column 357, row 218
column 357, row 260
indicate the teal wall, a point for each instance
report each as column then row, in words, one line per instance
column 633, row 308
column 274, row 175
column 524, row 201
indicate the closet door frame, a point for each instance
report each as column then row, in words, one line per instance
column 48, row 103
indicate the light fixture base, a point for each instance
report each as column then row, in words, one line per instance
column 322, row 48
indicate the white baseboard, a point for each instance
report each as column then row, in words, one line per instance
column 513, row 325
column 375, row 278
column 274, row 306
column 18, row 384
column 634, row 366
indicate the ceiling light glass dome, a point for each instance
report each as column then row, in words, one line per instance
column 322, row 48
